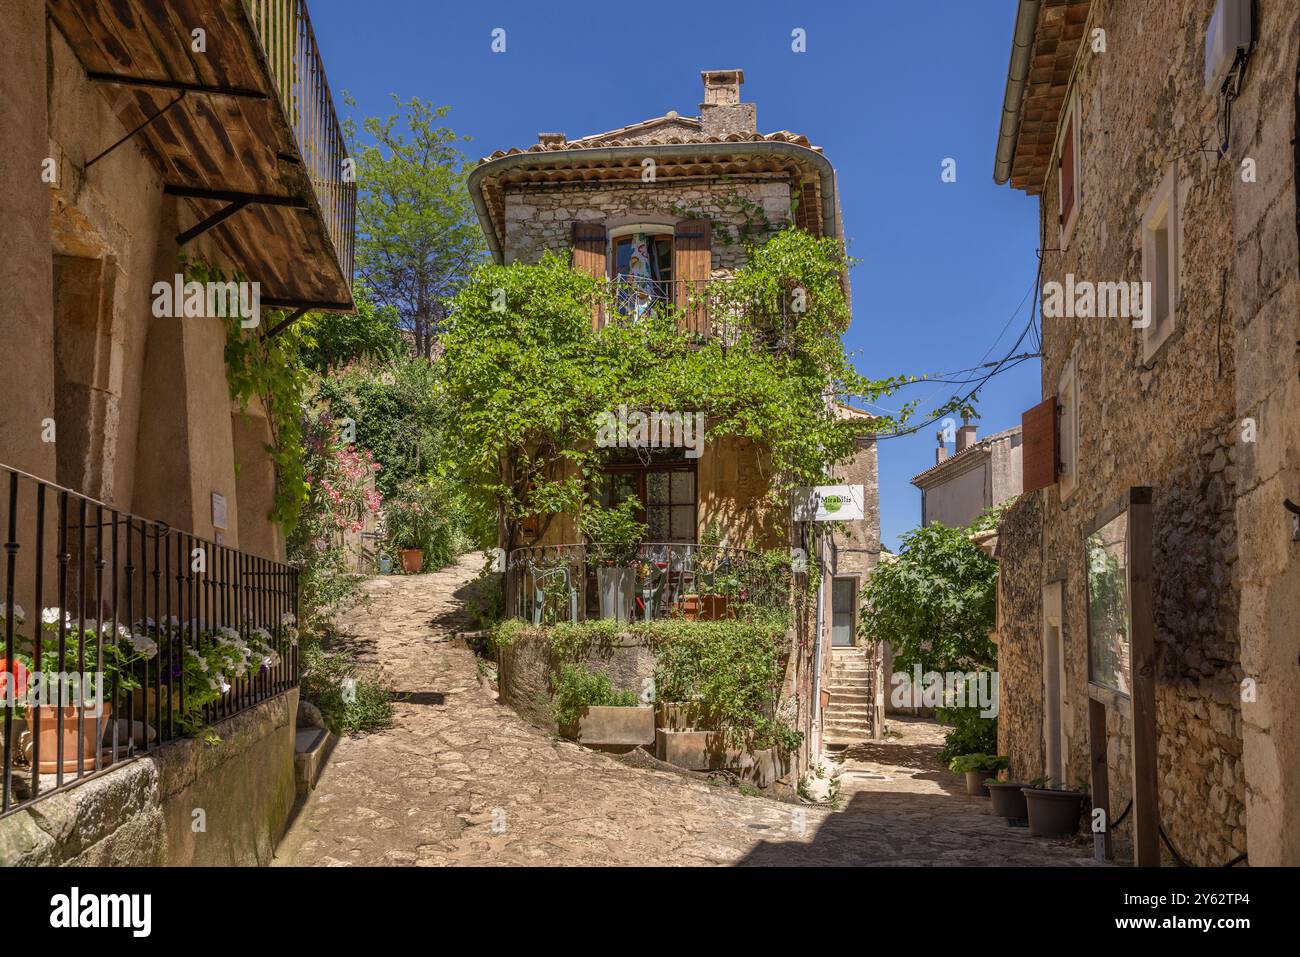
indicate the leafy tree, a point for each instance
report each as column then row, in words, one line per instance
column 332, row 339
column 417, row 235
column 936, row 603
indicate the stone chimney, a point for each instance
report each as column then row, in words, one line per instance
column 722, row 112
column 965, row 435
column 551, row 139
column 941, row 453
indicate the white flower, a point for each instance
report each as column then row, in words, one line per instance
column 288, row 619
column 51, row 617
column 144, row 644
column 20, row 616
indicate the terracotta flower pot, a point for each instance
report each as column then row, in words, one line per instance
column 412, row 560
column 1053, row 813
column 76, row 746
column 1008, row 802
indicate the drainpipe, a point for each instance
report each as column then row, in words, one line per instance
column 1017, row 73
column 616, row 154
column 816, row 749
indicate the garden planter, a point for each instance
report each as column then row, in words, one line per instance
column 680, row 716
column 975, row 782
column 614, row 728
column 696, row 750
column 615, row 585
column 79, row 747
column 412, row 560
column 1008, row 801
column 1053, row 813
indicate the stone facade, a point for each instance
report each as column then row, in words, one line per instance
column 1174, row 420
column 981, row 474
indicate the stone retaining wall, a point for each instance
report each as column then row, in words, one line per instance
column 186, row 804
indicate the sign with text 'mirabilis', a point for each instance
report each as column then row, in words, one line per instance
column 828, row 503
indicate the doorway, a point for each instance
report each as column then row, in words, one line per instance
column 843, row 600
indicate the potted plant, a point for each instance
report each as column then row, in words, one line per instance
column 1053, row 812
column 409, row 524
column 81, row 702
column 615, row 534
column 1007, row 799
column 978, row 768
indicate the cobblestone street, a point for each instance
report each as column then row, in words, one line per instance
column 460, row 779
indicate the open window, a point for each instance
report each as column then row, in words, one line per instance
column 666, row 488
column 641, row 267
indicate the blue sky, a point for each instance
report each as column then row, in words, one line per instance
column 889, row 91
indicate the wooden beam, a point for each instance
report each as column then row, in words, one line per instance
column 1146, row 806
column 284, row 323
column 1100, row 783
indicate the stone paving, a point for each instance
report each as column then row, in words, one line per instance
column 460, row 779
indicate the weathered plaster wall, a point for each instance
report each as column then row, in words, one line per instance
column 541, row 218
column 143, row 813
column 1019, row 637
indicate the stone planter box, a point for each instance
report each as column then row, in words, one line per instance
column 680, row 716
column 695, row 750
column 609, row 728
column 708, row 751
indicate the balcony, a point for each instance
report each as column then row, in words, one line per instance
column 714, row 310
column 119, row 634
column 551, row 584
column 244, row 132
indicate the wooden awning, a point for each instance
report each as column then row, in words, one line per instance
column 244, row 132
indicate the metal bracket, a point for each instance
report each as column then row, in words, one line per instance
column 238, row 91
column 91, row 162
column 236, row 201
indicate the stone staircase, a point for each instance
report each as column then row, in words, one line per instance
column 849, row 716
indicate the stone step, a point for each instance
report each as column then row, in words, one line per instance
column 858, row 713
column 849, row 694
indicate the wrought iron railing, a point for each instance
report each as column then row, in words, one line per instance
column 548, row 584
column 719, row 309
column 284, row 28
column 120, row 633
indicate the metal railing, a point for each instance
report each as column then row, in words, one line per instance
column 718, row 309
column 549, row 584
column 144, row 633
column 284, row 28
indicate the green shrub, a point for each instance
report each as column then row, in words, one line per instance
column 352, row 700
column 969, row 734
column 577, row 688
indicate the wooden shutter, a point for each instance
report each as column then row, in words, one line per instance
column 692, row 267
column 1067, row 162
column 589, row 252
column 1041, row 451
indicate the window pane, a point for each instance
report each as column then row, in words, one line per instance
column 683, row 487
column 618, row 488
column 656, row 484
column 683, row 523
column 657, row 519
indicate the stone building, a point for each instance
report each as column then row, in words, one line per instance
column 1158, row 139
column 717, row 185
column 980, row 474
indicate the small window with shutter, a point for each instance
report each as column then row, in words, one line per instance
column 1067, row 169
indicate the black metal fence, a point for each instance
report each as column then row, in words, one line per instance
column 549, row 584
column 120, row 633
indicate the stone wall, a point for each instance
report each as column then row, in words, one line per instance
column 144, row 812
column 1019, row 637
column 541, row 218
column 1173, row 422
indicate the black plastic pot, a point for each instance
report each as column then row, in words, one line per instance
column 1053, row 813
column 1008, row 802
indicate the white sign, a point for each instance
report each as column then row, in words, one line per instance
column 218, row 510
column 828, row 503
